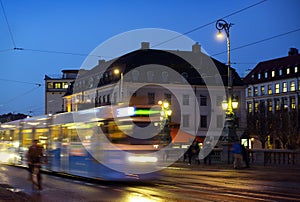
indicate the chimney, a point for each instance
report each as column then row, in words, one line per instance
column 293, row 51
column 196, row 48
column 101, row 62
column 145, row 45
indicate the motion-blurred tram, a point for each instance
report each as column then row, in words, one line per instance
column 108, row 142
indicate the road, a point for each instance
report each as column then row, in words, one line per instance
column 178, row 183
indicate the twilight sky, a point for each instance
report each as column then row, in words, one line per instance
column 39, row 38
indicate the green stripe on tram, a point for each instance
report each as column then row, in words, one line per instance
column 146, row 112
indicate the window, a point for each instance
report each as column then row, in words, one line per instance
column 288, row 71
column 203, row 100
column 57, row 85
column 249, row 92
column 256, row 106
column 284, row 87
column 293, row 103
column 255, row 91
column 220, row 121
column 50, row 85
column 285, row 103
column 266, row 74
column 296, row 69
column 258, row 76
column 65, row 85
column 185, row 100
column 186, row 120
column 270, row 89
column 249, row 107
column 262, row 90
column 273, row 73
column 277, row 88
column 203, row 121
column 270, row 105
column 277, row 104
column 292, row 86
column 280, row 72
column 151, row 98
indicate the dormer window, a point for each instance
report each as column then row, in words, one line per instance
column 266, row 74
column 273, row 73
column 259, row 76
column 288, row 71
column 296, row 69
column 280, row 72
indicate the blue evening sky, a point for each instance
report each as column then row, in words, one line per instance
column 78, row 26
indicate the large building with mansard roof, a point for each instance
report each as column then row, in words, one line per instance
column 145, row 76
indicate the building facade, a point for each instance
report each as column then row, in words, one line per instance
column 55, row 89
column 272, row 99
column 192, row 82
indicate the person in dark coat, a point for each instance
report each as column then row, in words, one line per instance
column 245, row 153
column 193, row 151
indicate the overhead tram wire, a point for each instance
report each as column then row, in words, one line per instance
column 210, row 23
column 260, row 41
column 23, row 82
column 8, row 26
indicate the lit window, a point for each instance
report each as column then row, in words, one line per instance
column 288, row 71
column 296, row 69
column 249, row 107
column 258, row 76
column 255, row 91
column 270, row 89
column 249, row 92
column 292, row 86
column 266, row 74
column 277, row 88
column 270, row 105
column 293, row 103
column 57, row 85
column 280, row 72
column 273, row 73
column 277, row 104
column 284, row 87
column 65, row 85
column 262, row 90
column 256, row 106
column 50, row 85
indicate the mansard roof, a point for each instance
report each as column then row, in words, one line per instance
column 281, row 68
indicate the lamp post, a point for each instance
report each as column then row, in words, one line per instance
column 230, row 103
column 117, row 72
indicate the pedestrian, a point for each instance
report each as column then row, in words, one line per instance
column 245, row 153
column 193, row 151
column 237, row 153
column 207, row 151
column 34, row 159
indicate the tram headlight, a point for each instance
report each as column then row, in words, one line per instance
column 142, row 159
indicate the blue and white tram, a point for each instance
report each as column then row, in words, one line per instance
column 109, row 142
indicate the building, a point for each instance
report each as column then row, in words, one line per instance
column 55, row 89
column 272, row 97
column 192, row 82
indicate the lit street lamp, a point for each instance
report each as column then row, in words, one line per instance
column 117, row 72
column 230, row 103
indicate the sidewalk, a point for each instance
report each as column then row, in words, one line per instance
column 8, row 193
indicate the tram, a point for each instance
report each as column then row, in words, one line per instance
column 108, row 142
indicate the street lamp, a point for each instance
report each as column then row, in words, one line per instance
column 117, row 72
column 230, row 103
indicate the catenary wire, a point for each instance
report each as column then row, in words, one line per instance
column 8, row 26
column 202, row 26
column 260, row 41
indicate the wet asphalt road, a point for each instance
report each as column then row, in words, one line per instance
column 177, row 183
